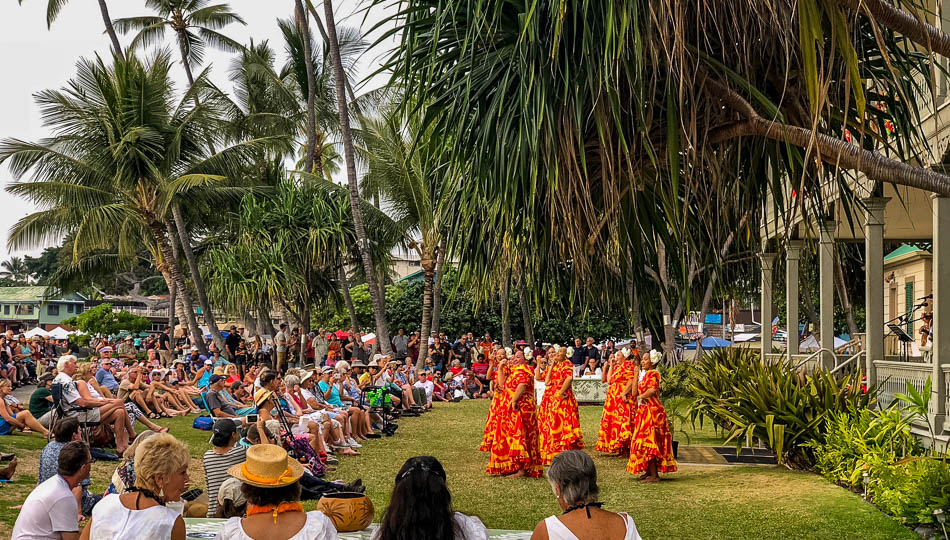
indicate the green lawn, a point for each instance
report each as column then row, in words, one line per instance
column 697, row 502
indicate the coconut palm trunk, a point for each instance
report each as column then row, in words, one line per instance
column 437, row 288
column 169, row 264
column 196, row 279
column 303, row 26
column 668, row 322
column 526, row 312
column 428, row 268
column 505, row 313
column 378, row 298
column 172, row 299
column 107, row 20
column 350, row 308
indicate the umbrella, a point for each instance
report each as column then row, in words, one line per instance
column 369, row 338
column 36, row 332
column 710, row 343
column 341, row 334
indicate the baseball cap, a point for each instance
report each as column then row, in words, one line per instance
column 105, row 349
column 216, row 378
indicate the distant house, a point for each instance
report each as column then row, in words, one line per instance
column 23, row 308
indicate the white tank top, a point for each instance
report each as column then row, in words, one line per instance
column 558, row 531
column 317, row 527
column 113, row 521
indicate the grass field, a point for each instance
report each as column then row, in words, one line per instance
column 696, row 502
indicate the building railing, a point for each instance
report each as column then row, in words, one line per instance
column 894, row 376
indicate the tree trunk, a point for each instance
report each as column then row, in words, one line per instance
column 116, row 47
column 638, row 324
column 196, row 279
column 922, row 33
column 437, row 288
column 171, row 305
column 505, row 313
column 303, row 27
column 809, row 306
column 345, row 288
column 668, row 331
column 377, row 295
column 843, row 296
column 713, row 278
column 526, row 311
column 184, row 60
column 835, row 152
column 167, row 251
column 429, row 268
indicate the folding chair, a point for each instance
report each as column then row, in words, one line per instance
column 80, row 413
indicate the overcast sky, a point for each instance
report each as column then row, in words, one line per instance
column 35, row 59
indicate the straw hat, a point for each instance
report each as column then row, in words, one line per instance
column 219, row 370
column 267, row 466
column 261, row 395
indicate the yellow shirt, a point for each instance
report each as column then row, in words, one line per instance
column 365, row 379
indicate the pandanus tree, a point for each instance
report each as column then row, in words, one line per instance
column 598, row 164
column 410, row 170
column 123, row 147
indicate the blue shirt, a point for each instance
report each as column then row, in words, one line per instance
column 334, row 398
column 105, row 378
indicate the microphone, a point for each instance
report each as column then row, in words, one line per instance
column 928, row 297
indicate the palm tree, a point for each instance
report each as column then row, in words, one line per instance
column 407, row 168
column 376, row 293
column 194, row 22
column 599, row 162
column 15, row 270
column 55, row 6
column 123, row 147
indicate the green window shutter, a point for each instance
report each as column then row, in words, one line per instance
column 909, row 306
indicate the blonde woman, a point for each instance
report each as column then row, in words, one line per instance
column 87, row 387
column 161, row 476
column 159, row 397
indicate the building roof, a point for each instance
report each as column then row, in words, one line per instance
column 33, row 294
column 905, row 249
column 418, row 275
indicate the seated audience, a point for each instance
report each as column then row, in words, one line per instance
column 271, row 486
column 85, row 408
column 573, row 477
column 133, row 390
column 161, row 476
column 225, row 453
column 10, row 420
column 65, row 432
column 105, row 377
column 124, row 475
column 474, row 388
column 41, row 400
column 592, row 368
column 427, row 386
column 230, row 500
column 421, row 506
column 51, row 511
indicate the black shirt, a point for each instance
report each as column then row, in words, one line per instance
column 580, row 356
column 592, row 352
column 461, row 351
column 164, row 342
column 232, row 342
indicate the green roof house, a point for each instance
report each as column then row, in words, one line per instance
column 23, row 308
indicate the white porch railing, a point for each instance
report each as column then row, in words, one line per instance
column 894, row 376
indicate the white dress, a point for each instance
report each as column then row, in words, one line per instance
column 317, row 527
column 557, row 530
column 113, row 521
column 469, row 527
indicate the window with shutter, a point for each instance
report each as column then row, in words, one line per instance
column 909, row 306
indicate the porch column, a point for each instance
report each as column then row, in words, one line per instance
column 826, row 290
column 874, row 284
column 941, row 303
column 768, row 264
column 793, row 253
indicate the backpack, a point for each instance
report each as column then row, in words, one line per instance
column 204, row 423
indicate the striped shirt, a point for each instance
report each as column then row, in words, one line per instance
column 216, row 472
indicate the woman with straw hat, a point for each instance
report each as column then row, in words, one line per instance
column 271, row 485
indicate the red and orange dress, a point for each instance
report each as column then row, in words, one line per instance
column 500, row 400
column 651, row 437
column 615, row 424
column 515, row 443
column 560, row 426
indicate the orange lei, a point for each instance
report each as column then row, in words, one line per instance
column 279, row 509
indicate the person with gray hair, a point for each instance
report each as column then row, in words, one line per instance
column 573, row 478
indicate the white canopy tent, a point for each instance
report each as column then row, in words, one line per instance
column 59, row 333
column 36, row 332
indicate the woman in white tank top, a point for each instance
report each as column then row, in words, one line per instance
column 161, row 476
column 573, row 478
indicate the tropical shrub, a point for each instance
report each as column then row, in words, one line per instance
column 856, row 442
column 677, row 380
column 773, row 402
column 910, row 490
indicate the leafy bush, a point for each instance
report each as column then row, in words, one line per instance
column 862, row 441
column 910, row 490
column 677, row 380
column 772, row 402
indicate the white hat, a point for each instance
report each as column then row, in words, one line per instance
column 377, row 357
